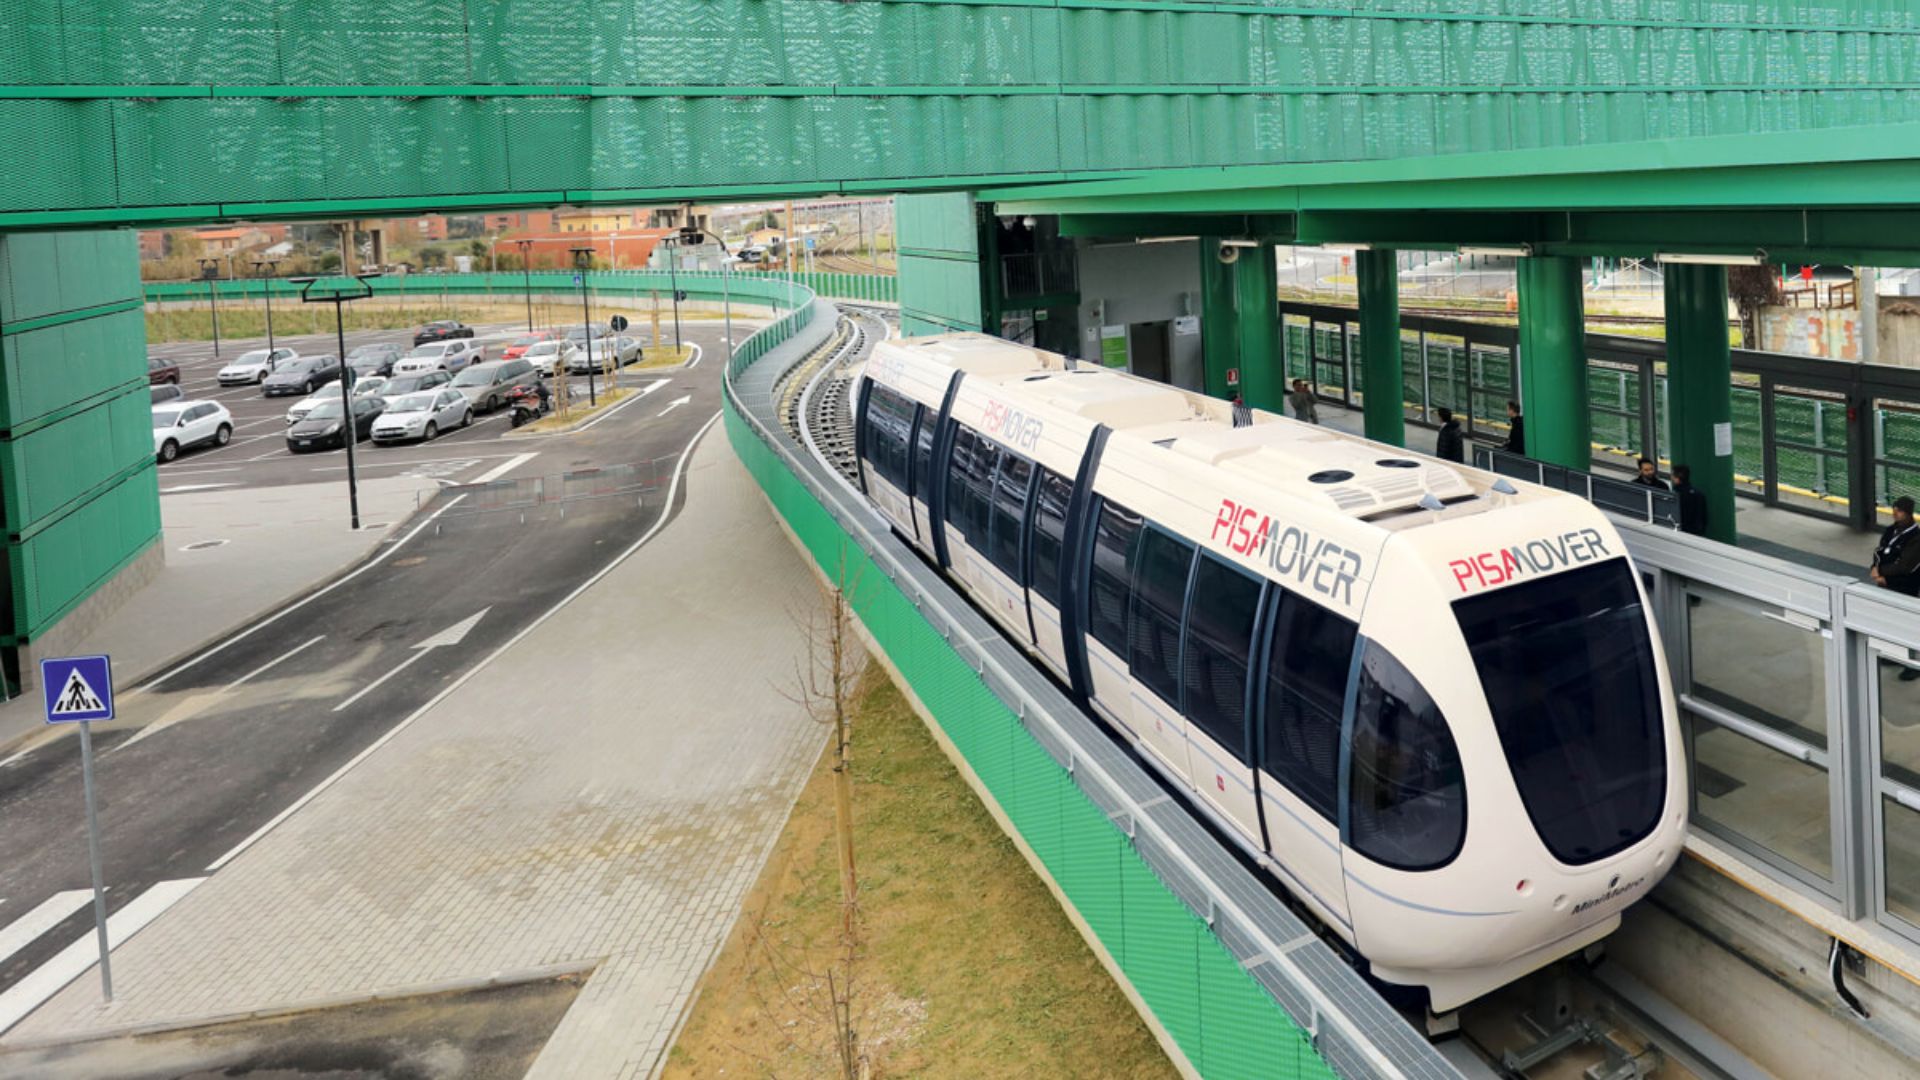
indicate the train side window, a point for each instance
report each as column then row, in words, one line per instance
column 1406, row 794
column 1311, row 651
column 986, row 461
column 1115, row 539
column 1219, row 640
column 1049, row 532
column 923, row 454
column 1011, row 483
column 1159, row 596
column 964, row 442
column 892, row 418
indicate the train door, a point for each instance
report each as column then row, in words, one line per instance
column 969, row 476
column 1002, row 586
column 1307, row 661
column 1159, row 598
column 1115, row 543
column 1223, row 608
column 1052, row 494
column 922, row 492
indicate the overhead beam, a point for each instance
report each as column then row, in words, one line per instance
column 1273, row 226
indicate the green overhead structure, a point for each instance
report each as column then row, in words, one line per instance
column 1240, row 325
column 1699, row 387
column 1378, row 275
column 1553, row 361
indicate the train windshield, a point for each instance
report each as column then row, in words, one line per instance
column 1568, row 669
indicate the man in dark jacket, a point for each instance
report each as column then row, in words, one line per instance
column 1449, row 446
column 1649, row 475
column 1516, row 430
column 1693, row 502
column 1896, row 562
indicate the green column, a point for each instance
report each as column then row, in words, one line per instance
column 1553, row 361
column 1240, row 325
column 1378, row 275
column 1699, row 387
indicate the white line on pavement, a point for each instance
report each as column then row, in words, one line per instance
column 385, row 553
column 73, row 961
column 168, row 470
column 375, row 684
column 200, row 703
column 22, row 931
column 504, row 468
column 183, row 488
column 269, row 665
column 411, row 462
column 665, row 508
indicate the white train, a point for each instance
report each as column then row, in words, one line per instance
column 1430, row 701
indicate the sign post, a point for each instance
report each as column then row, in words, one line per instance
column 79, row 690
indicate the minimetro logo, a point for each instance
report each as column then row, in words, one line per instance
column 1490, row 568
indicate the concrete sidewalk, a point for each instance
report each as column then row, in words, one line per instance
column 599, row 794
column 266, row 546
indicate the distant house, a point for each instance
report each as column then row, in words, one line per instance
column 231, row 240
column 155, row 244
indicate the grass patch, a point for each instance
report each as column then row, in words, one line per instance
column 578, row 410
column 968, row 967
column 659, row 356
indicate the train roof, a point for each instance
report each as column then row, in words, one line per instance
column 1331, row 471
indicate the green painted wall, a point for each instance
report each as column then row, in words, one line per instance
column 938, row 240
column 78, row 488
column 196, row 108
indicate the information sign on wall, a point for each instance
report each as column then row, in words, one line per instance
column 1113, row 347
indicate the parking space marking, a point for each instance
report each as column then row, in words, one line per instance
column 504, row 468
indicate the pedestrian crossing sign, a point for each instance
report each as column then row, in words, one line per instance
column 77, row 688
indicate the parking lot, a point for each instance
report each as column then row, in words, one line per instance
column 258, row 455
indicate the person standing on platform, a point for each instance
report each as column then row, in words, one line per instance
column 1896, row 562
column 1516, row 430
column 1302, row 401
column 1649, row 476
column 1450, row 445
column 1693, row 502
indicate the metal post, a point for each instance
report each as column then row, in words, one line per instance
column 265, row 268
column 583, row 258
column 673, row 282
column 350, row 431
column 726, row 304
column 210, row 270
column 93, row 858
column 526, row 271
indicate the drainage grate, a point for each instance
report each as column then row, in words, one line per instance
column 205, row 544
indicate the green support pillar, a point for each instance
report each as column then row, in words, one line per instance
column 1553, row 361
column 1378, row 275
column 1240, row 325
column 1699, row 387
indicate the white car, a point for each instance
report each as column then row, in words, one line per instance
column 364, row 386
column 423, row 415
column 605, row 354
column 181, row 425
column 549, row 356
column 255, row 366
column 442, row 355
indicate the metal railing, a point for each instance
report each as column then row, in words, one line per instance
column 1622, row 498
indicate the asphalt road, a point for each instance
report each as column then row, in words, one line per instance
column 258, row 455
column 205, row 756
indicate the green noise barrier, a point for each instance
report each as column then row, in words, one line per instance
column 1224, row 1022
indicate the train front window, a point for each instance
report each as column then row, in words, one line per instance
column 1567, row 666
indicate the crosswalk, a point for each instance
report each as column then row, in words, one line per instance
column 56, row 919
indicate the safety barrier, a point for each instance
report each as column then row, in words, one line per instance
column 1237, row 984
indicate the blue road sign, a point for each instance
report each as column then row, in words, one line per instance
column 77, row 688
column 576, row 279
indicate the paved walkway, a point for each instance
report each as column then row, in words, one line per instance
column 603, row 793
column 274, row 543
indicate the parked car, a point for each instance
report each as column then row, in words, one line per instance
column 182, row 425
column 413, row 384
column 486, row 385
column 254, row 366
column 518, row 347
column 444, row 330
column 364, row 386
column 301, row 376
column 324, row 427
column 551, row 356
column 162, row 371
column 444, row 355
column 375, row 359
column 423, row 416
column 604, row 354
column 165, row 392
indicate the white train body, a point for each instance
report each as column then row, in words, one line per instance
column 1431, row 702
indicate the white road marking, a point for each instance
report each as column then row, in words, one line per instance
column 452, row 635
column 672, row 490
column 674, row 404
column 276, row 661
column 171, row 471
column 73, row 961
column 195, row 487
column 271, row 453
column 200, row 703
column 406, row 463
column 22, row 931
column 504, row 468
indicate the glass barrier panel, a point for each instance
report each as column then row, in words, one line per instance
column 1761, row 667
column 1413, row 382
column 1749, row 451
column 1810, row 449
column 1763, row 795
column 1896, row 452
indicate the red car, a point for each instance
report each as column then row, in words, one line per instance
column 160, row 371
column 519, row 346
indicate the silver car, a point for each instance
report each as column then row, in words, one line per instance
column 486, row 386
column 423, row 415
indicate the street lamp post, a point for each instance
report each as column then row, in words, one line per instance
column 339, row 296
column 266, row 268
column 210, row 270
column 672, row 244
column 526, row 270
column 582, row 261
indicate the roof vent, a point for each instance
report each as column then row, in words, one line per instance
column 1330, row 476
column 1430, row 502
column 1397, row 463
column 1500, row 485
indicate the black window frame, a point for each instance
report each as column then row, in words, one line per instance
column 1008, row 515
column 1045, row 577
column 959, row 464
column 924, row 432
column 1442, row 838
column 1300, row 635
column 1156, row 610
column 1200, row 707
